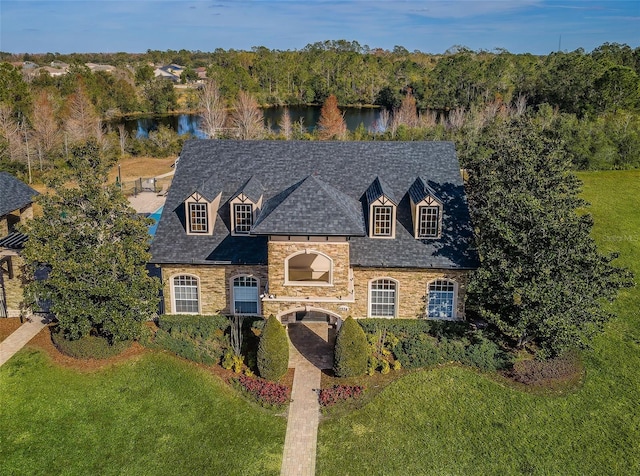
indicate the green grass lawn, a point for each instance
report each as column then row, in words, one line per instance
column 151, row 415
column 452, row 420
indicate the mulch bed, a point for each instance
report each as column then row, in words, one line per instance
column 7, row 326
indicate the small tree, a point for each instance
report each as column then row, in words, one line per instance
column 95, row 249
column 273, row 350
column 331, row 124
column 351, row 354
column 213, row 112
column 247, row 117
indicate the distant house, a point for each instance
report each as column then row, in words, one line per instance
column 171, row 72
column 316, row 230
column 16, row 199
column 107, row 68
column 53, row 72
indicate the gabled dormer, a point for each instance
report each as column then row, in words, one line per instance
column 245, row 205
column 426, row 210
column 200, row 212
column 382, row 208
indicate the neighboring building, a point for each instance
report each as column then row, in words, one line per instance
column 316, row 229
column 107, row 68
column 16, row 200
column 171, row 72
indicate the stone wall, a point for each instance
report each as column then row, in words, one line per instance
column 214, row 284
column 4, row 226
column 13, row 281
column 280, row 250
column 411, row 292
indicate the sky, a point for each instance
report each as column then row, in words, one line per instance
column 430, row 26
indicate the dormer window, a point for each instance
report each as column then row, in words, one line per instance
column 382, row 220
column 428, row 221
column 198, row 217
column 243, row 214
column 245, row 204
column 426, row 210
column 200, row 212
column 382, row 207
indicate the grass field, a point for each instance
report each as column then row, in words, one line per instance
column 452, row 420
column 152, row 414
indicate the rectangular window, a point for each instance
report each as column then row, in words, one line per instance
column 243, row 216
column 185, row 290
column 198, row 222
column 428, row 222
column 382, row 221
column 441, row 300
column 383, row 298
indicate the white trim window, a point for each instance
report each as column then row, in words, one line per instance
column 243, row 214
column 186, row 294
column 245, row 295
column 441, row 299
column 198, row 218
column 383, row 298
column 382, row 220
column 428, row 220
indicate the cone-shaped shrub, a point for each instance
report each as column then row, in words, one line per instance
column 273, row 350
column 352, row 351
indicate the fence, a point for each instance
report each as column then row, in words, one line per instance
column 143, row 184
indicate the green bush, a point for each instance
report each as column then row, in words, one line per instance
column 273, row 350
column 418, row 351
column 351, row 354
column 89, row 347
column 197, row 338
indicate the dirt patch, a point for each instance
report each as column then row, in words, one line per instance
column 8, row 326
column 132, row 168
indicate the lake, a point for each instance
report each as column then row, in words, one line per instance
column 189, row 123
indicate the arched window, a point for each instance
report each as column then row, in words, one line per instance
column 185, row 294
column 308, row 268
column 441, row 299
column 383, row 298
column 245, row 295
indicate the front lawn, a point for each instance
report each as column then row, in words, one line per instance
column 150, row 414
column 453, row 420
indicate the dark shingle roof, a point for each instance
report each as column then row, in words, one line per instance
column 311, row 207
column 421, row 190
column 253, row 189
column 14, row 194
column 317, row 188
column 379, row 188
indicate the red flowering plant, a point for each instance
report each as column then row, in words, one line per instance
column 339, row 393
column 265, row 392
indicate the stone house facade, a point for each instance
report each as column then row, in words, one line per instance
column 16, row 206
column 316, row 230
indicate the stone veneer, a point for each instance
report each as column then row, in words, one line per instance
column 214, row 284
column 411, row 290
column 13, row 287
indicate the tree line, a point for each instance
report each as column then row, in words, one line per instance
column 591, row 99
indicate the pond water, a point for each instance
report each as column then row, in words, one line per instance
column 190, row 123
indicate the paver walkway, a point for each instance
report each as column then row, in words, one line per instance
column 21, row 336
column 309, row 352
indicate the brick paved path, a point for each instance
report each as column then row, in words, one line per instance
column 20, row 337
column 309, row 352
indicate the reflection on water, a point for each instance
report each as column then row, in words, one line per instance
column 190, row 123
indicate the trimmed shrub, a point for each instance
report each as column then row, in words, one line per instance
column 273, row 350
column 197, row 338
column 351, row 354
column 417, row 351
column 89, row 347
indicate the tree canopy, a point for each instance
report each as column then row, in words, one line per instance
column 95, row 249
column 542, row 281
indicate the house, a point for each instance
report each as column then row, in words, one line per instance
column 300, row 229
column 171, row 72
column 16, row 200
